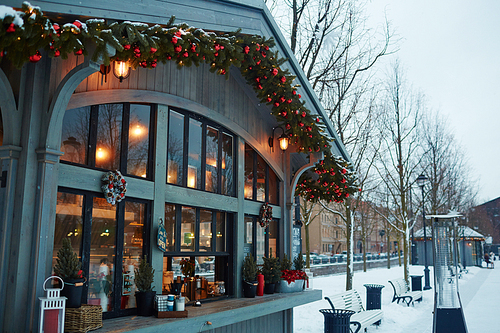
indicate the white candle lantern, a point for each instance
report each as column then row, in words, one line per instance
column 52, row 309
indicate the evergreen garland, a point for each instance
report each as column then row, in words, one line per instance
column 67, row 264
column 144, row 276
column 24, row 33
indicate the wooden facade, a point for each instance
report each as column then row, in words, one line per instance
column 33, row 102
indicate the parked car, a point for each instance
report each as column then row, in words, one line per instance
column 324, row 259
column 358, row 256
column 338, row 257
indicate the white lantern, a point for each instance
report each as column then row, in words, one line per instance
column 52, row 309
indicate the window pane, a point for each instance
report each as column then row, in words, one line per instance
column 227, row 164
column 138, row 140
column 188, row 228
column 221, row 232
column 248, row 172
column 261, row 179
column 132, row 250
column 211, row 159
column 273, row 238
column 170, row 226
column 205, row 230
column 194, row 154
column 69, row 222
column 260, row 245
column 175, row 148
column 273, row 188
column 109, row 129
column 248, row 230
column 102, row 254
column 75, row 134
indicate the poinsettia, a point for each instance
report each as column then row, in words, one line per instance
column 290, row 275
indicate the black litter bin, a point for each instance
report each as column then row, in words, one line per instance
column 337, row 321
column 416, row 282
column 373, row 296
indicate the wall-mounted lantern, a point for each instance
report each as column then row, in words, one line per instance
column 121, row 70
column 282, row 139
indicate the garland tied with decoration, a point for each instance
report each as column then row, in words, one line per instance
column 265, row 215
column 114, row 186
column 25, row 32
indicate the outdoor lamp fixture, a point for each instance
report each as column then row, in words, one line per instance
column 282, row 139
column 52, row 308
column 121, row 70
column 421, row 180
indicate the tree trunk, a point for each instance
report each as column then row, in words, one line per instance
column 388, row 251
column 349, row 238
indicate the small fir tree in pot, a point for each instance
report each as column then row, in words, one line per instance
column 249, row 270
column 272, row 273
column 68, row 268
column 143, row 281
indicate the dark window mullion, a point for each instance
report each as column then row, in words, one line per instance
column 153, row 119
column 219, row 162
column 117, row 285
column 178, row 217
column 197, row 231
column 214, row 231
column 124, row 138
column 87, row 238
column 254, row 237
column 254, row 181
column 266, row 241
column 203, row 155
column 92, row 140
column 186, row 151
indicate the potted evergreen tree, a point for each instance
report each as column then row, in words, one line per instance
column 68, row 268
column 143, row 281
column 249, row 276
column 272, row 273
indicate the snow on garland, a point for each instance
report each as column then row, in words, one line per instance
column 114, row 186
column 265, row 215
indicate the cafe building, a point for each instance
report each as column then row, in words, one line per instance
column 198, row 150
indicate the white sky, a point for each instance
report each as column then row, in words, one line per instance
column 451, row 52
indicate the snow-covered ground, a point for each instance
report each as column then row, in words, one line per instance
column 479, row 292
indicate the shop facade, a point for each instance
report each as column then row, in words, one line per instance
column 192, row 145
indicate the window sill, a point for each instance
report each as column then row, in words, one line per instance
column 220, row 313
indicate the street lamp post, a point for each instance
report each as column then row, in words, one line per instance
column 421, row 182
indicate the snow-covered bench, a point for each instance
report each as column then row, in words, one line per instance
column 350, row 300
column 402, row 292
column 462, row 269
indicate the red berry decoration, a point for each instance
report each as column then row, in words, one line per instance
column 57, row 53
column 126, row 46
column 276, row 104
column 289, row 101
column 284, row 114
column 247, row 49
column 269, row 99
column 317, row 119
column 174, row 40
column 283, row 79
column 258, row 47
column 258, row 62
column 275, row 72
column 152, row 50
column 193, row 47
column 223, row 71
column 11, row 28
column 178, row 33
column 260, row 87
column 282, row 99
column 301, row 124
column 78, row 24
column 263, row 54
column 178, row 49
column 185, row 54
column 288, row 126
column 303, row 114
column 36, row 57
column 79, row 52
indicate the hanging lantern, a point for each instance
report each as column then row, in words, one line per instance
column 52, row 309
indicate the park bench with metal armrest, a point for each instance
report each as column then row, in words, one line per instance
column 350, row 300
column 403, row 293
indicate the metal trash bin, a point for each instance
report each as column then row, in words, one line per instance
column 416, row 282
column 337, row 321
column 373, row 296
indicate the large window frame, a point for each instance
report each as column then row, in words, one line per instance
column 254, row 165
column 91, row 148
column 255, row 227
column 206, row 124
column 85, row 245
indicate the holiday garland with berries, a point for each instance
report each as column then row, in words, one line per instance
column 23, row 33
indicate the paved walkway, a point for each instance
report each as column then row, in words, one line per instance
column 481, row 301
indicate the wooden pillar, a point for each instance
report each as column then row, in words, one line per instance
column 239, row 221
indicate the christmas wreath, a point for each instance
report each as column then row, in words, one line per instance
column 266, row 215
column 114, row 186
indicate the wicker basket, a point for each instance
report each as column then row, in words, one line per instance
column 83, row 319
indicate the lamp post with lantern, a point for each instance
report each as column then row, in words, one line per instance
column 421, row 180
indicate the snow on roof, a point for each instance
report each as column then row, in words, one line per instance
column 470, row 233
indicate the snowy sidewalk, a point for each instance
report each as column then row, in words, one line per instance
column 479, row 291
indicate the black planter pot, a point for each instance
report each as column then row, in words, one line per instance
column 269, row 288
column 73, row 292
column 249, row 289
column 145, row 302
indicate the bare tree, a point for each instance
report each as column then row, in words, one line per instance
column 308, row 214
column 399, row 159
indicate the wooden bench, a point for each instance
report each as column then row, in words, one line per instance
column 350, row 300
column 403, row 292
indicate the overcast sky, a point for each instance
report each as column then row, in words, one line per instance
column 451, row 52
